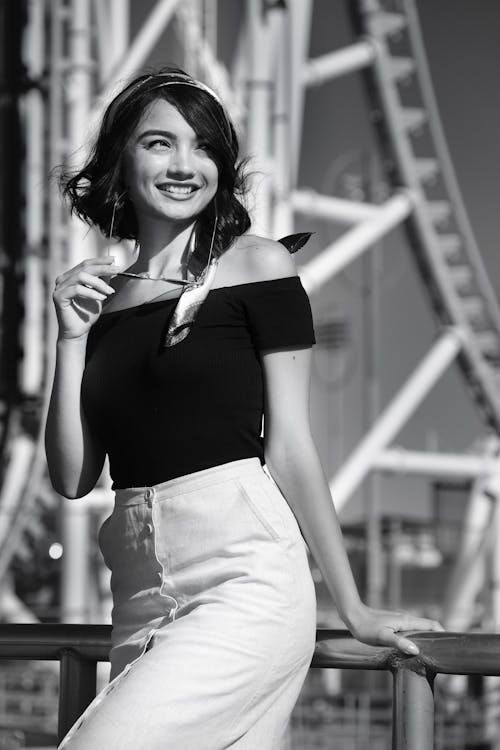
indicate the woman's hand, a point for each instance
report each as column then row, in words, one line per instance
column 380, row 627
column 79, row 293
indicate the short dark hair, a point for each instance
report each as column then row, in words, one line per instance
column 97, row 188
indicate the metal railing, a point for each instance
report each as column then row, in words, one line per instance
column 78, row 648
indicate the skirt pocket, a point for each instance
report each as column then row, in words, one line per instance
column 279, row 503
column 259, row 503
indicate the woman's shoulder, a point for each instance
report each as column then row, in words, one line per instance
column 252, row 258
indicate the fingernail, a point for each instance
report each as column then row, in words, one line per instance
column 412, row 649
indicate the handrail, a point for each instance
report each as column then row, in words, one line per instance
column 441, row 653
column 80, row 647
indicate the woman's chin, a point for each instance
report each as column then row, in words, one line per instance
column 179, row 210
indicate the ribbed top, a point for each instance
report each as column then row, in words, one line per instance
column 166, row 412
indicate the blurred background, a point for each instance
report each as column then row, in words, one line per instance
column 373, row 125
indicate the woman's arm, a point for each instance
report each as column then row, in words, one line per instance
column 75, row 456
column 293, row 462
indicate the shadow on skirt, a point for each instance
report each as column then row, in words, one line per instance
column 214, row 616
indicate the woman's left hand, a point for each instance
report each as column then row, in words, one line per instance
column 380, row 627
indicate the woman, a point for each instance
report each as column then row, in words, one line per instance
column 214, row 606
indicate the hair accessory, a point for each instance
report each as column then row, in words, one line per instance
column 186, row 80
column 177, row 79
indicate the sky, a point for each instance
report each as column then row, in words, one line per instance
column 461, row 37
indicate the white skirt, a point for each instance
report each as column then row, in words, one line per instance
column 214, row 616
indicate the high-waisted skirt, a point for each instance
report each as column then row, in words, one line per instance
column 214, row 616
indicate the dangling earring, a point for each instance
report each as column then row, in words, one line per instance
column 214, row 230
column 216, row 220
column 199, row 278
column 113, row 214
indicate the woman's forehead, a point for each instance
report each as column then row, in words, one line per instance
column 162, row 115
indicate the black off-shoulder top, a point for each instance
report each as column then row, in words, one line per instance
column 166, row 412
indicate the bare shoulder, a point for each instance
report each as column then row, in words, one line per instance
column 254, row 258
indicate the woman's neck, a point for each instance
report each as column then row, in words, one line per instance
column 163, row 249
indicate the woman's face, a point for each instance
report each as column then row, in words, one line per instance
column 168, row 171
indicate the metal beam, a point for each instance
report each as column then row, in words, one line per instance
column 136, row 55
column 282, row 220
column 202, row 59
column 467, row 575
column 81, row 242
column 362, row 459
column 33, row 339
column 400, row 461
column 299, row 39
column 77, row 688
column 354, row 242
column 75, row 581
column 413, row 707
column 144, row 41
column 331, row 208
column 258, row 142
column 325, row 68
column 16, row 475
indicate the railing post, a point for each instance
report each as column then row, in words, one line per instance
column 77, row 688
column 413, row 707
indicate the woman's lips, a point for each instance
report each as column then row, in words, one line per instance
column 178, row 191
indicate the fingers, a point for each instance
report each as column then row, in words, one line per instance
column 407, row 622
column 80, row 290
column 404, row 644
column 103, row 265
column 104, row 260
column 94, row 281
column 421, row 623
column 388, row 637
column 84, row 280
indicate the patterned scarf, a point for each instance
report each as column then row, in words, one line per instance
column 193, row 295
column 186, row 309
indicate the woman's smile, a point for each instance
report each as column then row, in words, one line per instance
column 168, row 170
column 178, row 191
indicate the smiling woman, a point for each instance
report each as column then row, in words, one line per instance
column 197, row 135
column 214, row 616
column 168, row 171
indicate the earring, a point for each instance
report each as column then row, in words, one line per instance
column 118, row 198
column 213, row 239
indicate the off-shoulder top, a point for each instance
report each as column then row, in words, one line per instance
column 166, row 412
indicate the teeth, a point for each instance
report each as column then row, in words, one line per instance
column 181, row 189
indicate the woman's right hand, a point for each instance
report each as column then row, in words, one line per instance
column 79, row 293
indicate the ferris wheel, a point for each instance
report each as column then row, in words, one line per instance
column 77, row 52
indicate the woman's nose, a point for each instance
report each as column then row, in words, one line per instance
column 181, row 162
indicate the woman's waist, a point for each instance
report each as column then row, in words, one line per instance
column 188, row 482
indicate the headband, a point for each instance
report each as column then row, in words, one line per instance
column 185, row 80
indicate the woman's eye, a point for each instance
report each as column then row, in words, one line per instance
column 159, row 143
column 203, row 146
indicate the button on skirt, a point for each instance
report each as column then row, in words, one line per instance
column 214, row 616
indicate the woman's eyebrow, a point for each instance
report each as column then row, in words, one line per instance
column 159, row 131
